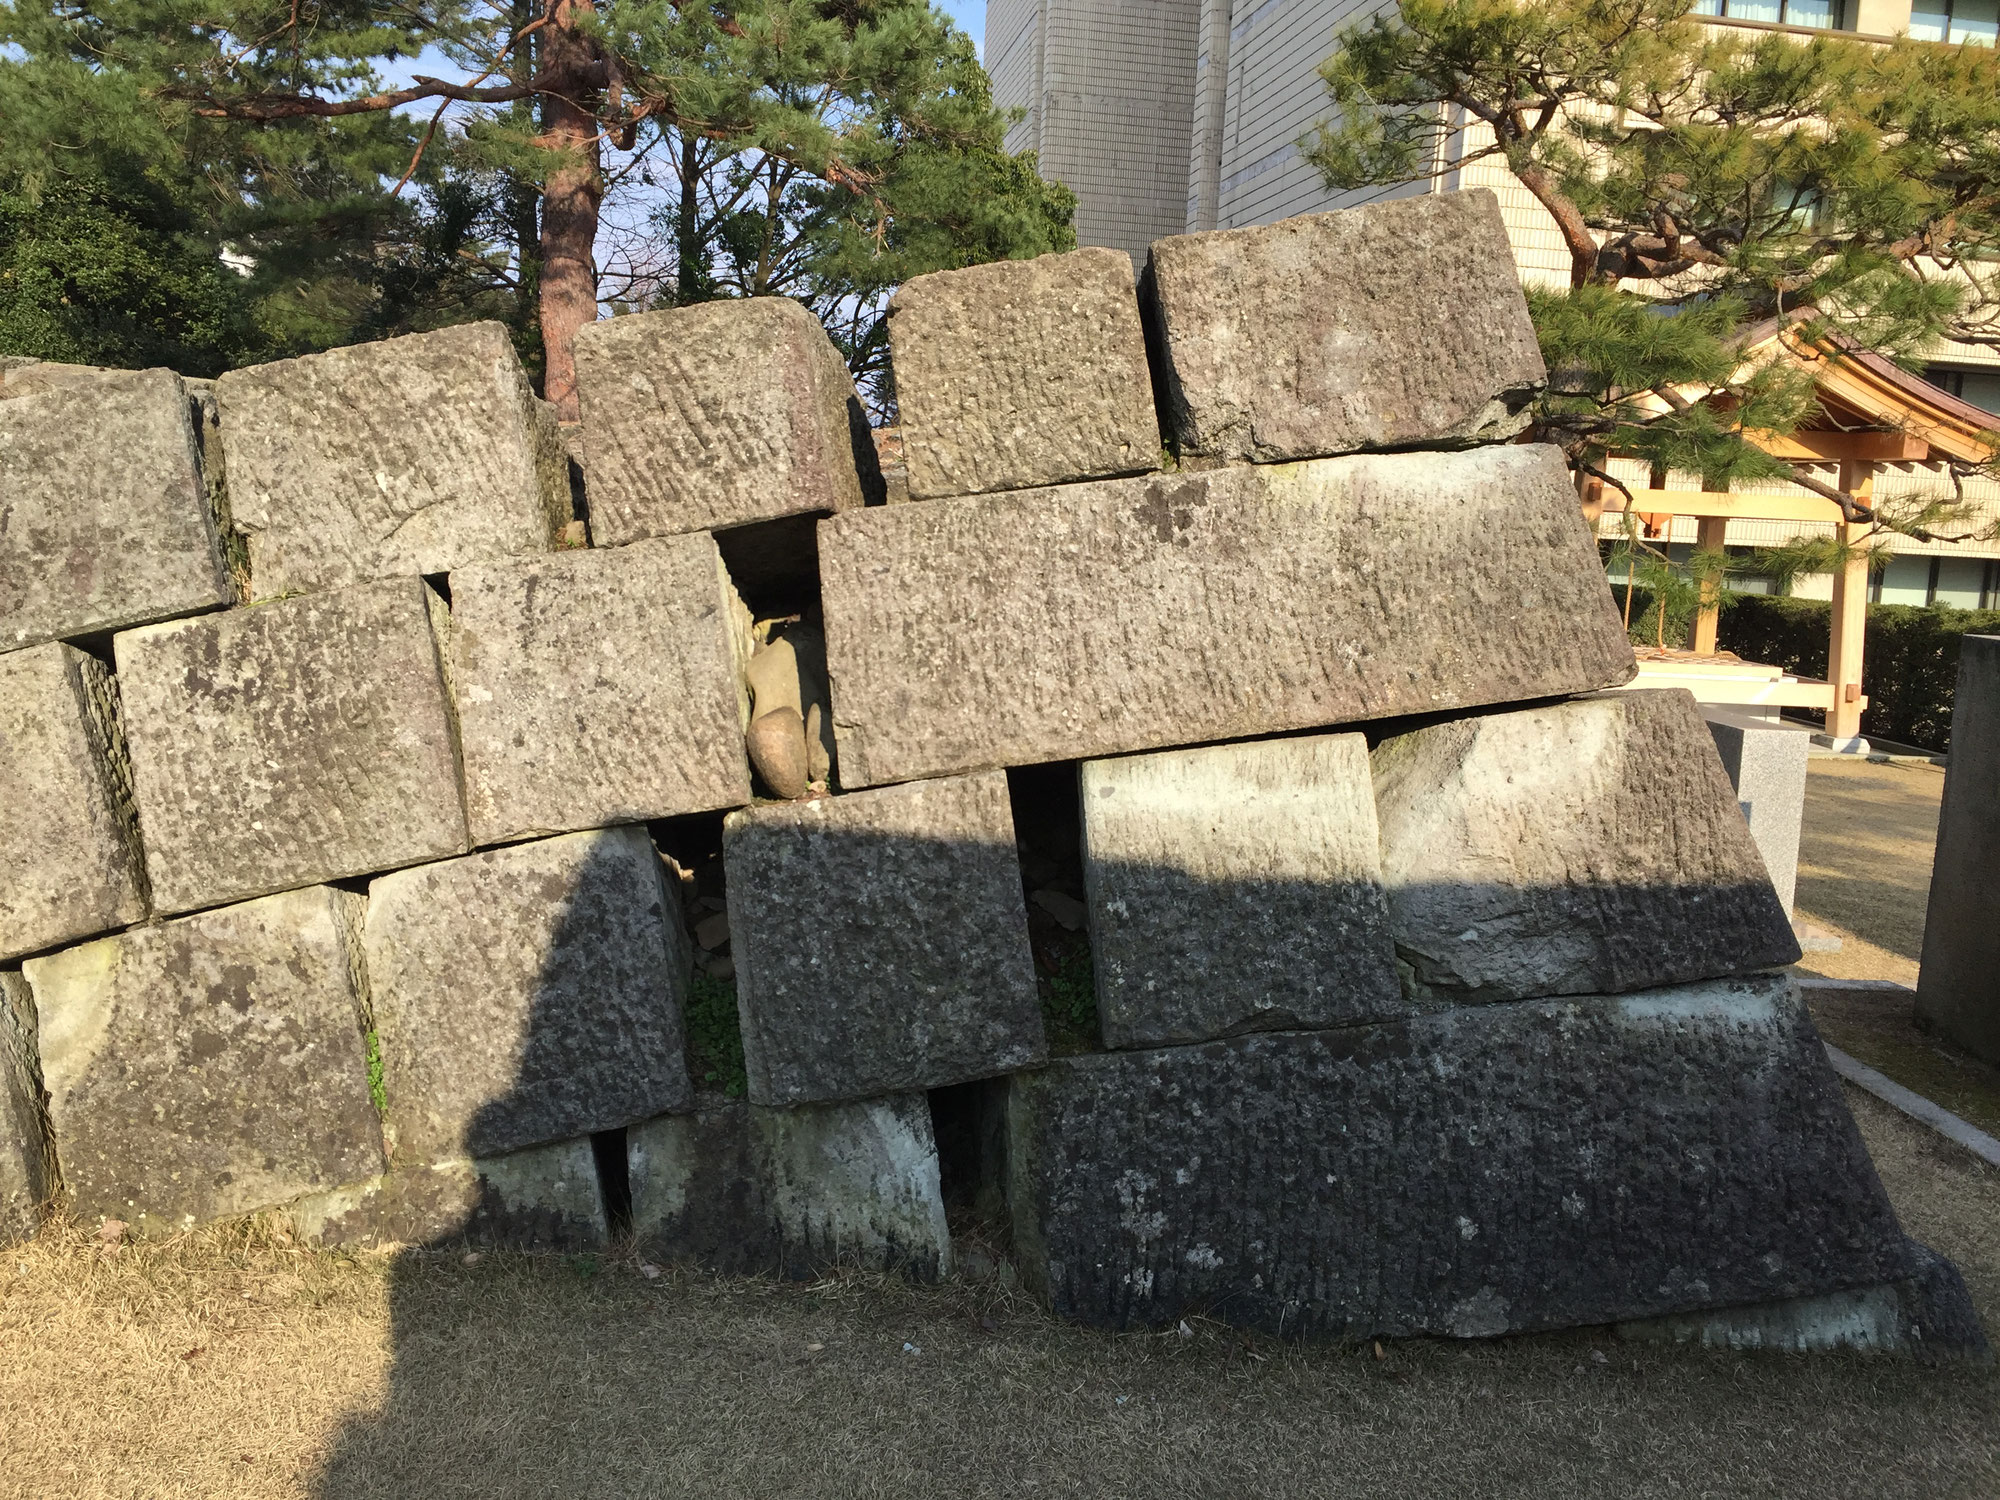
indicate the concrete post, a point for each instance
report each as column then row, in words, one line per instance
column 1766, row 762
column 1956, row 990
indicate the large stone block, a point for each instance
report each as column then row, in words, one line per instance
column 703, row 417
column 546, row 1197
column 1582, row 848
column 1765, row 761
column 1236, row 888
column 1132, row 614
column 1395, row 324
column 412, row 455
column 69, row 844
column 881, row 941
column 301, row 741
column 210, row 1066
column 745, row 1188
column 528, row 994
column 106, row 523
column 1022, row 372
column 1478, row 1171
column 599, row 687
column 27, row 1166
column 1956, row 992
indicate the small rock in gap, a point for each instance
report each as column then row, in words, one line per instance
column 712, row 932
column 1067, row 910
column 777, row 745
column 720, row 968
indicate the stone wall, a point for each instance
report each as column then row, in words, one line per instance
column 1175, row 832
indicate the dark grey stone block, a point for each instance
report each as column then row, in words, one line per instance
column 70, row 865
column 543, row 1198
column 211, row 1066
column 1578, row 848
column 986, row 631
column 881, row 941
column 1394, row 324
column 27, row 1164
column 1486, row 1170
column 1236, row 888
column 300, row 741
column 527, row 995
column 1956, row 989
column 106, row 524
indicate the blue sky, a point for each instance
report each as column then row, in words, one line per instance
column 970, row 15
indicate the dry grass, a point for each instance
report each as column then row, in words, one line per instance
column 229, row 1364
column 1865, row 853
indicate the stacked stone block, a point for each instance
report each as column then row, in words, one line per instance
column 1395, row 978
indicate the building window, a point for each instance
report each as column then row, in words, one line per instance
column 1975, row 21
column 1819, row 15
column 1980, row 387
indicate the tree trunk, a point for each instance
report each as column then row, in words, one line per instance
column 691, row 279
column 570, row 201
column 522, row 199
column 1577, row 238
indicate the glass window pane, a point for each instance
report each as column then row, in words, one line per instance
column 1754, row 10
column 1708, row 7
column 1928, row 20
column 1816, row 13
column 1975, row 21
column 1960, row 580
column 1981, row 388
column 1907, row 580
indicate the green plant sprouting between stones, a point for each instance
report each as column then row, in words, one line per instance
column 715, row 1037
column 1069, row 1004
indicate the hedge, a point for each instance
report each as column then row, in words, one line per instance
column 1910, row 661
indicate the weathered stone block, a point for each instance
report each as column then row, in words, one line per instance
column 599, row 687
column 301, row 741
column 107, row 524
column 1581, row 848
column 412, row 455
column 546, row 1197
column 1379, row 327
column 1765, row 761
column 210, row 1066
column 1956, row 992
column 709, row 416
column 27, row 1167
column 526, row 995
column 1236, row 888
column 1022, row 372
column 1477, row 1171
column 881, row 941
column 1132, row 614
column 744, row 1188
column 69, row 845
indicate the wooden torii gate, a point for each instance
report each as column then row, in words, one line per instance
column 1870, row 413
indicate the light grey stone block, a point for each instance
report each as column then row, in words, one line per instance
column 527, row 995
column 1580, row 848
column 211, row 1066
column 1477, row 1171
column 881, row 941
column 1236, row 888
column 301, row 741
column 599, row 687
column 1765, row 761
column 1021, row 373
column 27, row 1165
column 1133, row 614
column 106, row 523
column 546, row 1197
column 744, row 1188
column 418, row 454
column 1394, row 324
column 70, row 865
column 699, row 418
column 1956, row 989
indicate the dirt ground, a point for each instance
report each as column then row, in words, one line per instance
column 225, row 1366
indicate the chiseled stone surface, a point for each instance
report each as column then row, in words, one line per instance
column 1765, row 762
column 544, row 1198
column 1236, row 888
column 27, row 1176
column 301, row 741
column 1477, row 1171
column 881, row 941
column 1956, row 989
column 598, row 687
column 527, row 994
column 1580, row 848
column 740, row 1187
column 417, row 454
column 210, row 1066
column 697, row 418
column 1022, row 372
column 69, row 847
column 106, row 523
column 1377, row 327
column 985, row 631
